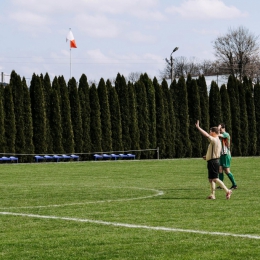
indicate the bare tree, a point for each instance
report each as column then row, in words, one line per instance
column 181, row 67
column 237, row 53
column 192, row 67
column 134, row 76
column 208, row 68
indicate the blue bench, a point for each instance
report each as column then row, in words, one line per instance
column 114, row 156
column 98, row 156
column 75, row 157
column 11, row 159
column 39, row 157
column 55, row 157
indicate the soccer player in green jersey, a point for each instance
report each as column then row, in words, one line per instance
column 225, row 157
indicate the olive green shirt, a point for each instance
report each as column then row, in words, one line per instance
column 214, row 148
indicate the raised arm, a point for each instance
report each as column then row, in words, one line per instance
column 203, row 132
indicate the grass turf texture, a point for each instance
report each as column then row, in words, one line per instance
column 127, row 192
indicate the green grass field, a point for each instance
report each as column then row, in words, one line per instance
column 151, row 209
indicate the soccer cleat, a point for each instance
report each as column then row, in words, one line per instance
column 219, row 188
column 234, row 187
column 228, row 194
column 211, row 197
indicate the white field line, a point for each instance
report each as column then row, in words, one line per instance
column 157, row 193
column 100, row 222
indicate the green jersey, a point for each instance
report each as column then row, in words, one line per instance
column 225, row 143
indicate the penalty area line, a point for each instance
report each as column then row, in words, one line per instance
column 100, row 222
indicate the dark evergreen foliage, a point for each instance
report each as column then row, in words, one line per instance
column 133, row 127
column 38, row 115
column 150, row 92
column 257, row 115
column 115, row 116
column 104, row 116
column 67, row 132
column 194, row 115
column 252, row 133
column 75, row 115
column 169, row 121
column 95, row 122
column 55, row 118
column 160, row 118
column 9, row 120
column 204, row 107
column 215, row 114
column 17, row 91
column 85, row 115
column 2, row 121
column 235, row 115
column 242, row 88
column 47, row 90
column 180, row 99
column 143, row 117
column 28, row 124
column 225, row 109
column 122, row 92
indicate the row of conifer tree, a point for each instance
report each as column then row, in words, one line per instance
column 62, row 117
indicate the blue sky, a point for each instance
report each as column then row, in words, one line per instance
column 113, row 36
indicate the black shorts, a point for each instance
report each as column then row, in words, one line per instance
column 213, row 168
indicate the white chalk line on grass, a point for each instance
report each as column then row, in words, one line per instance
column 157, row 193
column 100, row 222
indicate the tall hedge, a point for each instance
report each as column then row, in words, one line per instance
column 67, row 131
column 252, row 133
column 85, row 115
column 17, row 91
column 104, row 116
column 75, row 115
column 225, row 108
column 150, row 92
column 215, row 113
column 95, row 122
column 180, row 99
column 194, row 115
column 204, row 105
column 160, row 118
column 28, row 124
column 2, row 121
column 143, row 117
column 47, row 90
column 55, row 118
column 9, row 120
column 115, row 116
column 257, row 115
column 38, row 115
column 242, row 88
column 169, row 121
column 133, row 119
column 232, row 89
column 122, row 92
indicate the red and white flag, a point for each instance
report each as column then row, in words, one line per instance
column 70, row 38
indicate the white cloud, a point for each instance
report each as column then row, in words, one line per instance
column 98, row 26
column 206, row 9
column 137, row 36
column 29, row 21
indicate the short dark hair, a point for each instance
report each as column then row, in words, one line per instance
column 214, row 129
column 222, row 125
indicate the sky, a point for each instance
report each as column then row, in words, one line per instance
column 113, row 36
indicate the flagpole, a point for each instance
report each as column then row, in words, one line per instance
column 70, row 59
column 70, row 37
